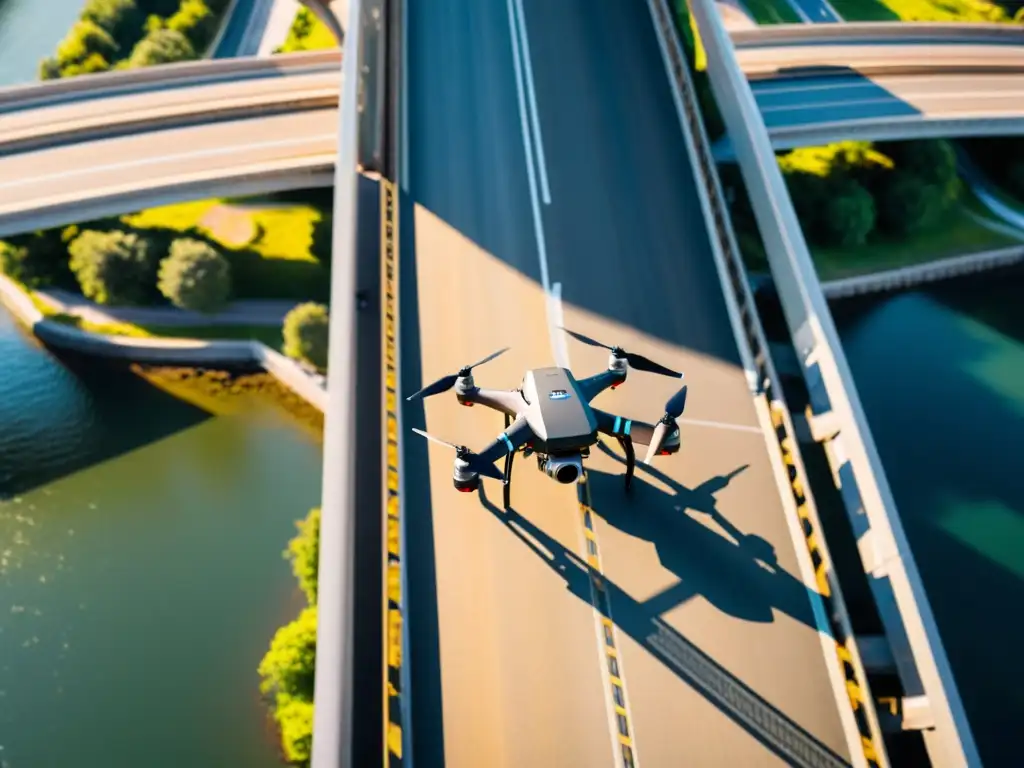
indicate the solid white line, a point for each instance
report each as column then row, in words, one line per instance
column 403, row 151
column 538, row 224
column 721, row 425
column 557, row 318
column 545, row 191
column 213, row 152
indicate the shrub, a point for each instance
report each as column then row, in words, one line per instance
column 196, row 22
column 162, row 46
column 304, row 552
column 195, row 276
column 113, row 267
column 933, row 161
column 305, row 334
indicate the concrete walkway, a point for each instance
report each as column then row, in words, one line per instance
column 269, row 312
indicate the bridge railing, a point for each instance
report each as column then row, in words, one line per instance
column 853, row 33
column 335, row 694
column 931, row 701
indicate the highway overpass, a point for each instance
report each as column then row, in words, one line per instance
column 119, row 144
column 814, row 88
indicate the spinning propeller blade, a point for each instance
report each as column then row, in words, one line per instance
column 639, row 362
column 447, row 382
column 474, row 462
column 673, row 410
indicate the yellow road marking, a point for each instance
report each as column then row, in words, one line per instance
column 394, row 611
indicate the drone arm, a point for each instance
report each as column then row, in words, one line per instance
column 509, row 441
column 617, row 426
column 503, row 400
column 592, row 386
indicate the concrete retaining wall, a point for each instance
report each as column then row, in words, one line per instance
column 184, row 352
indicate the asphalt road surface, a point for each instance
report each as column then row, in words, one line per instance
column 507, row 659
column 846, row 97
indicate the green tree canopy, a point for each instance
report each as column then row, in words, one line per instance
column 195, row 276
column 39, row 259
column 113, row 267
column 288, row 667
column 908, row 203
column 84, row 40
column 305, row 334
column 295, row 718
column 323, row 234
column 196, row 22
column 121, row 19
column 304, row 553
column 848, row 215
column 162, row 46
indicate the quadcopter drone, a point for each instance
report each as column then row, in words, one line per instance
column 550, row 415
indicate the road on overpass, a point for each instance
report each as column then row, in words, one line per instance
column 716, row 641
column 83, row 180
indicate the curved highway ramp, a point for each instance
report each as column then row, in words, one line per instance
column 555, row 159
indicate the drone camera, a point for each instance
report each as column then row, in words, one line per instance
column 467, row 486
column 564, row 469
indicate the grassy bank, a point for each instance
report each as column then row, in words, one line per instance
column 307, row 33
column 926, row 10
column 771, row 11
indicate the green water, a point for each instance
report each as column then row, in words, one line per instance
column 941, row 375
column 141, row 575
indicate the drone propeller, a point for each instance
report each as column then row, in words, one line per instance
column 447, row 382
column 473, row 461
column 639, row 362
column 673, row 410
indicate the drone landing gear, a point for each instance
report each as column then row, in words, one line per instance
column 626, row 442
column 506, row 488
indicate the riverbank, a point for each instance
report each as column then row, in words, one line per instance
column 163, row 351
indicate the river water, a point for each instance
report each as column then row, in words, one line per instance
column 29, row 31
column 940, row 373
column 141, row 575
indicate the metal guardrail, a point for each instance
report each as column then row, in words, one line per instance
column 181, row 74
column 857, row 33
column 837, row 419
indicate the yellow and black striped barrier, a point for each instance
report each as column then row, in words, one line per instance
column 854, row 689
column 599, row 594
column 393, row 598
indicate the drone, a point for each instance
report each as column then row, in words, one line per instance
column 550, row 416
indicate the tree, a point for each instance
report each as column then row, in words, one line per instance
column 295, row 718
column 848, row 215
column 39, row 259
column 196, row 22
column 933, row 161
column 289, row 665
column 113, row 267
column 304, row 553
column 85, row 41
column 195, row 276
column 908, row 203
column 162, row 46
column 121, row 19
column 305, row 334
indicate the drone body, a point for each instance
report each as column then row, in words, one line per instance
column 550, row 415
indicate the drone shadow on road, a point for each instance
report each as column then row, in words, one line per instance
column 727, row 574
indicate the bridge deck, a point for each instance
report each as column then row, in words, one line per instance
column 507, row 651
